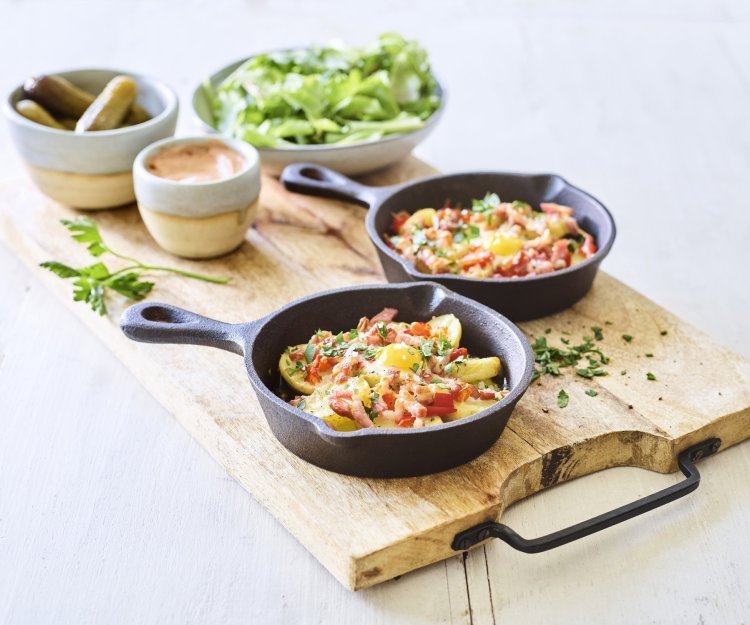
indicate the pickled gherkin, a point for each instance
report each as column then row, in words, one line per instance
column 110, row 107
column 36, row 113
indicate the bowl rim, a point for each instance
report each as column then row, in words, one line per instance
column 449, row 278
column 248, row 152
column 440, row 91
column 171, row 104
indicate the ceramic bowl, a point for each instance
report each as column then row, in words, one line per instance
column 91, row 170
column 201, row 219
column 354, row 159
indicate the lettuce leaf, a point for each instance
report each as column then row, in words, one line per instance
column 328, row 95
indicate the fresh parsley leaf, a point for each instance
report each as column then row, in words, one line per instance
column 63, row 271
column 427, row 347
column 649, row 355
column 130, row 285
column 650, row 376
column 598, row 334
column 627, row 338
column 339, row 339
column 562, row 398
column 591, row 392
column 382, row 329
column 84, row 230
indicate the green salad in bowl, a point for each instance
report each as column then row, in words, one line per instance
column 313, row 103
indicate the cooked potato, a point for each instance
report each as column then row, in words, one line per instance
column 448, row 325
column 469, row 407
column 423, row 217
column 342, row 424
column 474, row 370
column 294, row 377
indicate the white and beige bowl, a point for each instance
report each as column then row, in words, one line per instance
column 198, row 219
column 91, row 170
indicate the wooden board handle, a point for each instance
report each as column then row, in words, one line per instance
column 152, row 322
column 686, row 461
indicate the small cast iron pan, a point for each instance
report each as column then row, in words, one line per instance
column 517, row 298
column 369, row 452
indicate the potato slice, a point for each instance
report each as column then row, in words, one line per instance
column 474, row 370
column 294, row 377
column 469, row 407
column 424, row 217
column 448, row 325
column 341, row 424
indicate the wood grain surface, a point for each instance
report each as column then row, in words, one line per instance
column 300, row 245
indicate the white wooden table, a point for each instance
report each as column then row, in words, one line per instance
column 110, row 513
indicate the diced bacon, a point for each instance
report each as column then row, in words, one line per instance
column 359, row 415
column 296, row 355
column 555, row 209
column 486, row 394
column 387, row 315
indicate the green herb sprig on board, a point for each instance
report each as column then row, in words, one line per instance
column 91, row 283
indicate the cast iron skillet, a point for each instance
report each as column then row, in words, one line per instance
column 372, row 452
column 517, row 298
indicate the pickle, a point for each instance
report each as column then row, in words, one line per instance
column 37, row 113
column 59, row 96
column 136, row 115
column 110, row 107
column 68, row 123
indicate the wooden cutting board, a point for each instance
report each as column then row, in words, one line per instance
column 366, row 531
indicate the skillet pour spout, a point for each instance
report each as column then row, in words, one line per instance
column 518, row 299
column 369, row 452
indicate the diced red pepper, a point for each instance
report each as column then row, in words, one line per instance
column 440, row 411
column 442, row 399
column 405, row 422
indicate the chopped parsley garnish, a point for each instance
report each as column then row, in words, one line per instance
column 663, row 333
column 627, row 338
column 598, row 334
column 591, row 392
column 443, row 345
column 415, row 367
column 427, row 347
column 486, row 204
column 650, row 376
column 310, row 352
column 370, row 353
column 339, row 339
column 550, row 359
column 649, row 355
column 382, row 329
column 562, row 398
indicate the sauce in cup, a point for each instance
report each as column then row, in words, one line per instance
column 190, row 163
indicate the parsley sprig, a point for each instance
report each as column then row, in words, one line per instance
column 90, row 283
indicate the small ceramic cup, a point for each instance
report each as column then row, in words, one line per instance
column 198, row 219
column 91, row 170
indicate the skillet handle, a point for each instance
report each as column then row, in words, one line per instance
column 152, row 322
column 312, row 179
column 686, row 460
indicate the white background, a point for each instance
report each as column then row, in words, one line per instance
column 109, row 512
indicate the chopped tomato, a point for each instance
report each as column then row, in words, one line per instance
column 420, row 329
column 389, row 398
column 462, row 393
column 405, row 422
column 312, row 374
column 588, row 248
column 398, row 220
column 323, row 363
column 458, row 352
column 486, row 394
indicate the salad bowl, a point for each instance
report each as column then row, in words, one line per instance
column 353, row 158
